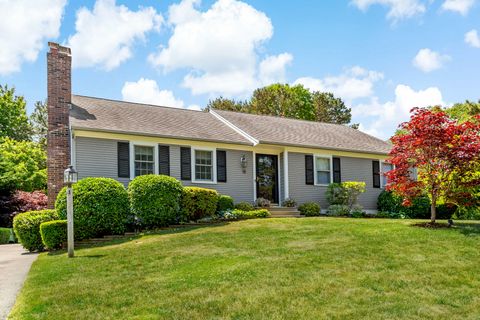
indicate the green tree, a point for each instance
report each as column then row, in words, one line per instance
column 22, row 166
column 13, row 120
column 39, row 123
column 464, row 111
column 330, row 109
column 226, row 104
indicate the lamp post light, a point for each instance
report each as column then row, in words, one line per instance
column 70, row 176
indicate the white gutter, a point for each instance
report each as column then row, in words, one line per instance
column 235, row 128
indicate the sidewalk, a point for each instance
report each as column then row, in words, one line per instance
column 15, row 263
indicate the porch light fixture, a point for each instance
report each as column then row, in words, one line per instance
column 243, row 163
column 70, row 176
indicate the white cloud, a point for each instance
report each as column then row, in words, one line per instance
column 459, row 6
column 272, row 68
column 352, row 84
column 25, row 26
column 472, row 38
column 382, row 119
column 147, row 91
column 428, row 60
column 398, row 9
column 105, row 36
column 219, row 48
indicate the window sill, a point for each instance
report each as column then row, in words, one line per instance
column 321, row 185
column 204, row 182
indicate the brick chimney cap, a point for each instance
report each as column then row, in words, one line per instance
column 61, row 49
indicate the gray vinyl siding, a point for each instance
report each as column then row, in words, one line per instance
column 97, row 158
column 352, row 169
column 239, row 185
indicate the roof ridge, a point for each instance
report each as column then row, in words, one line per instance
column 138, row 103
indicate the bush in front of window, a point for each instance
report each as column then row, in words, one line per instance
column 53, row 233
column 100, row 207
column 224, row 203
column 244, row 206
column 345, row 193
column 27, row 227
column 155, row 200
column 198, row 203
column 420, row 208
column 309, row 209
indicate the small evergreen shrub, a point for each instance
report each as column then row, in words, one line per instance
column 289, row 202
column 155, row 200
column 389, row 202
column 310, row 209
column 27, row 227
column 253, row 214
column 100, row 207
column 225, row 203
column 53, row 233
column 467, row 213
column 198, row 203
column 262, row 203
column 244, row 206
column 5, row 235
column 337, row 210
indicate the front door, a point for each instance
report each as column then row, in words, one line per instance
column 267, row 177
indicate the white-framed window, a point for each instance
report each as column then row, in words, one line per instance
column 323, row 170
column 204, row 165
column 143, row 158
column 386, row 167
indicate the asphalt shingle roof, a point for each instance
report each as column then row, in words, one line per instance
column 98, row 114
column 284, row 131
column 118, row 116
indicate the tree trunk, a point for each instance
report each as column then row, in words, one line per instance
column 433, row 210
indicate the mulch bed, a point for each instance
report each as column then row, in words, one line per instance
column 430, row 225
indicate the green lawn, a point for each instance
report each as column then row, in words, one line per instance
column 312, row 268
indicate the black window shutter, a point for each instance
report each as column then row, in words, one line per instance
column 164, row 160
column 221, row 166
column 337, row 176
column 185, row 163
column 123, row 159
column 309, row 179
column 376, row 174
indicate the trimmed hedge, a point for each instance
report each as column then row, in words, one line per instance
column 224, row 203
column 5, row 235
column 198, row 203
column 27, row 227
column 244, row 206
column 155, row 200
column 310, row 209
column 100, row 207
column 53, row 233
column 252, row 214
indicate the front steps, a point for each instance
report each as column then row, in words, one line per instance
column 284, row 212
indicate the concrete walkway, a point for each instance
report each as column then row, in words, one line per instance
column 15, row 263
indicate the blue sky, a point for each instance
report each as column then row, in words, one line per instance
column 382, row 57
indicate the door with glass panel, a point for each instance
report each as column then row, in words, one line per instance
column 267, row 177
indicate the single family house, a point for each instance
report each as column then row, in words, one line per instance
column 242, row 155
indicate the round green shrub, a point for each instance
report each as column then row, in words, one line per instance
column 4, row 235
column 310, row 209
column 389, row 202
column 155, row 199
column 100, row 207
column 198, row 203
column 27, row 227
column 224, row 203
column 244, row 206
column 54, row 233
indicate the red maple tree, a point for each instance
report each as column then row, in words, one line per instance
column 442, row 151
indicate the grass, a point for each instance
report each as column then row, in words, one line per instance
column 312, row 268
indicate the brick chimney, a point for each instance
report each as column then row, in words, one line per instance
column 59, row 71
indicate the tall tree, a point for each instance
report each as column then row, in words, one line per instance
column 464, row 111
column 13, row 115
column 445, row 153
column 330, row 109
column 39, row 123
column 226, row 104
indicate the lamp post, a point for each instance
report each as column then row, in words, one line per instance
column 70, row 176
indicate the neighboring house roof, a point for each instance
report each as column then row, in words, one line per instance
column 98, row 114
column 292, row 132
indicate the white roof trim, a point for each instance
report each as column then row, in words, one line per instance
column 235, row 128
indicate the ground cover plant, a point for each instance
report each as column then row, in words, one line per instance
column 310, row 268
